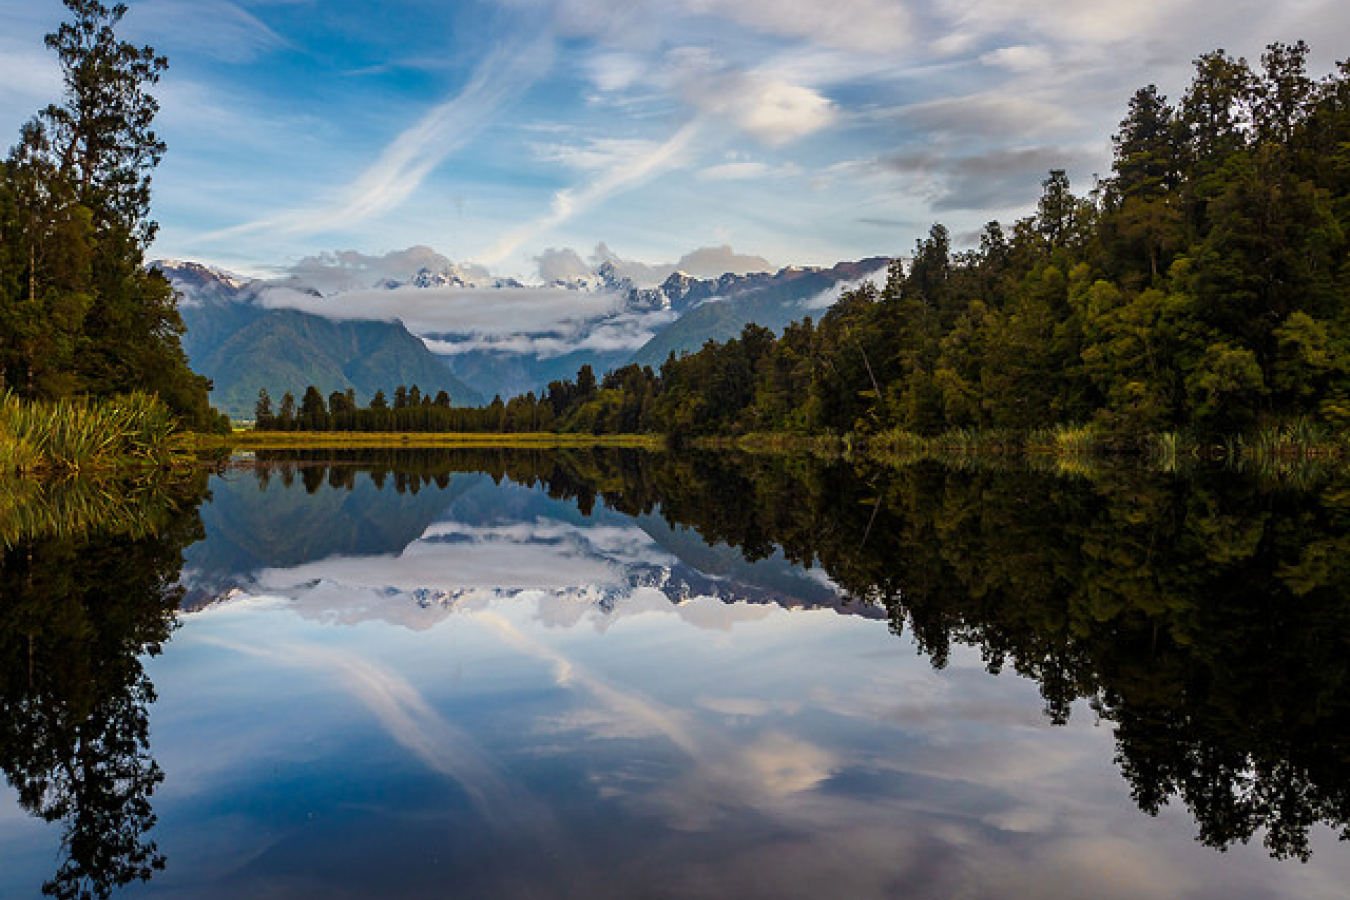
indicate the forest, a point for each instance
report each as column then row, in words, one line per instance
column 1200, row 288
column 80, row 315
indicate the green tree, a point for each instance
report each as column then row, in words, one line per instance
column 286, row 412
column 82, row 314
column 262, row 410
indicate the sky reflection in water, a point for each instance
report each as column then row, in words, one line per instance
column 525, row 701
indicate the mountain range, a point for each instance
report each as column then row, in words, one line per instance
column 473, row 337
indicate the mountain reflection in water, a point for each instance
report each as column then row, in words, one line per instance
column 634, row 670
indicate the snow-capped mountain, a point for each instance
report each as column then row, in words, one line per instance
column 487, row 335
column 199, row 284
column 243, row 345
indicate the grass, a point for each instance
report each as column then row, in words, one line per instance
column 82, row 435
column 275, row 440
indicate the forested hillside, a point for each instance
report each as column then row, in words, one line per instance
column 1203, row 286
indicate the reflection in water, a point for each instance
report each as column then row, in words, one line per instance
column 83, row 601
column 1205, row 618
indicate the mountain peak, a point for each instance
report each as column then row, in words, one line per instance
column 201, row 284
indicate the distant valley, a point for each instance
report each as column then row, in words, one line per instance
column 440, row 329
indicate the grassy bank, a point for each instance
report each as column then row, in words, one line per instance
column 1063, row 445
column 275, row 440
column 68, row 436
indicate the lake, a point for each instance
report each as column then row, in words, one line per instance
column 591, row 674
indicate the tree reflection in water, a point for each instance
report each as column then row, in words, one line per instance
column 1206, row 617
column 81, row 606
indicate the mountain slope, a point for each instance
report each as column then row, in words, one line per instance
column 724, row 306
column 243, row 347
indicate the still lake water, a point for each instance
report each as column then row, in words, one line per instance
column 615, row 674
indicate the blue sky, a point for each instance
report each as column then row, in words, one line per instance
column 799, row 131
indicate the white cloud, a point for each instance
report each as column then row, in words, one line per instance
column 413, row 155
column 337, row 271
column 733, row 171
column 615, row 71
column 867, row 25
column 711, row 262
column 765, row 106
column 406, row 715
column 561, row 265
column 487, row 311
column 619, row 333
column 704, row 262
column 598, row 154
column 212, row 27
column 1018, row 58
column 625, row 173
column 824, row 300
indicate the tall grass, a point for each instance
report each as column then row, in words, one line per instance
column 135, row 430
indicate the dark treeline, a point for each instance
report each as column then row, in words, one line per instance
column 79, row 313
column 1203, row 286
column 408, row 409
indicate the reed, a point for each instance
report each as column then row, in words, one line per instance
column 78, row 435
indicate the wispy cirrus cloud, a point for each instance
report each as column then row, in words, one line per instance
column 622, row 175
column 413, row 155
column 217, row 28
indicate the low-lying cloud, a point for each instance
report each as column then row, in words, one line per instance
column 481, row 311
column 621, row 333
column 830, row 297
column 545, row 321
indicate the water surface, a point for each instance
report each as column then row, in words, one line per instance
column 523, row 674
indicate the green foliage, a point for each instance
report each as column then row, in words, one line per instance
column 1201, row 289
column 83, row 435
column 79, row 313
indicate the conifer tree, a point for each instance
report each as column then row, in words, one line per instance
column 81, row 314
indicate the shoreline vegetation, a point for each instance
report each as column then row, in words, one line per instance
column 134, row 505
column 89, row 436
column 1192, row 305
column 119, row 435
column 269, row 440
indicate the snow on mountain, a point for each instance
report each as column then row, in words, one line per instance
column 201, row 284
column 500, row 336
